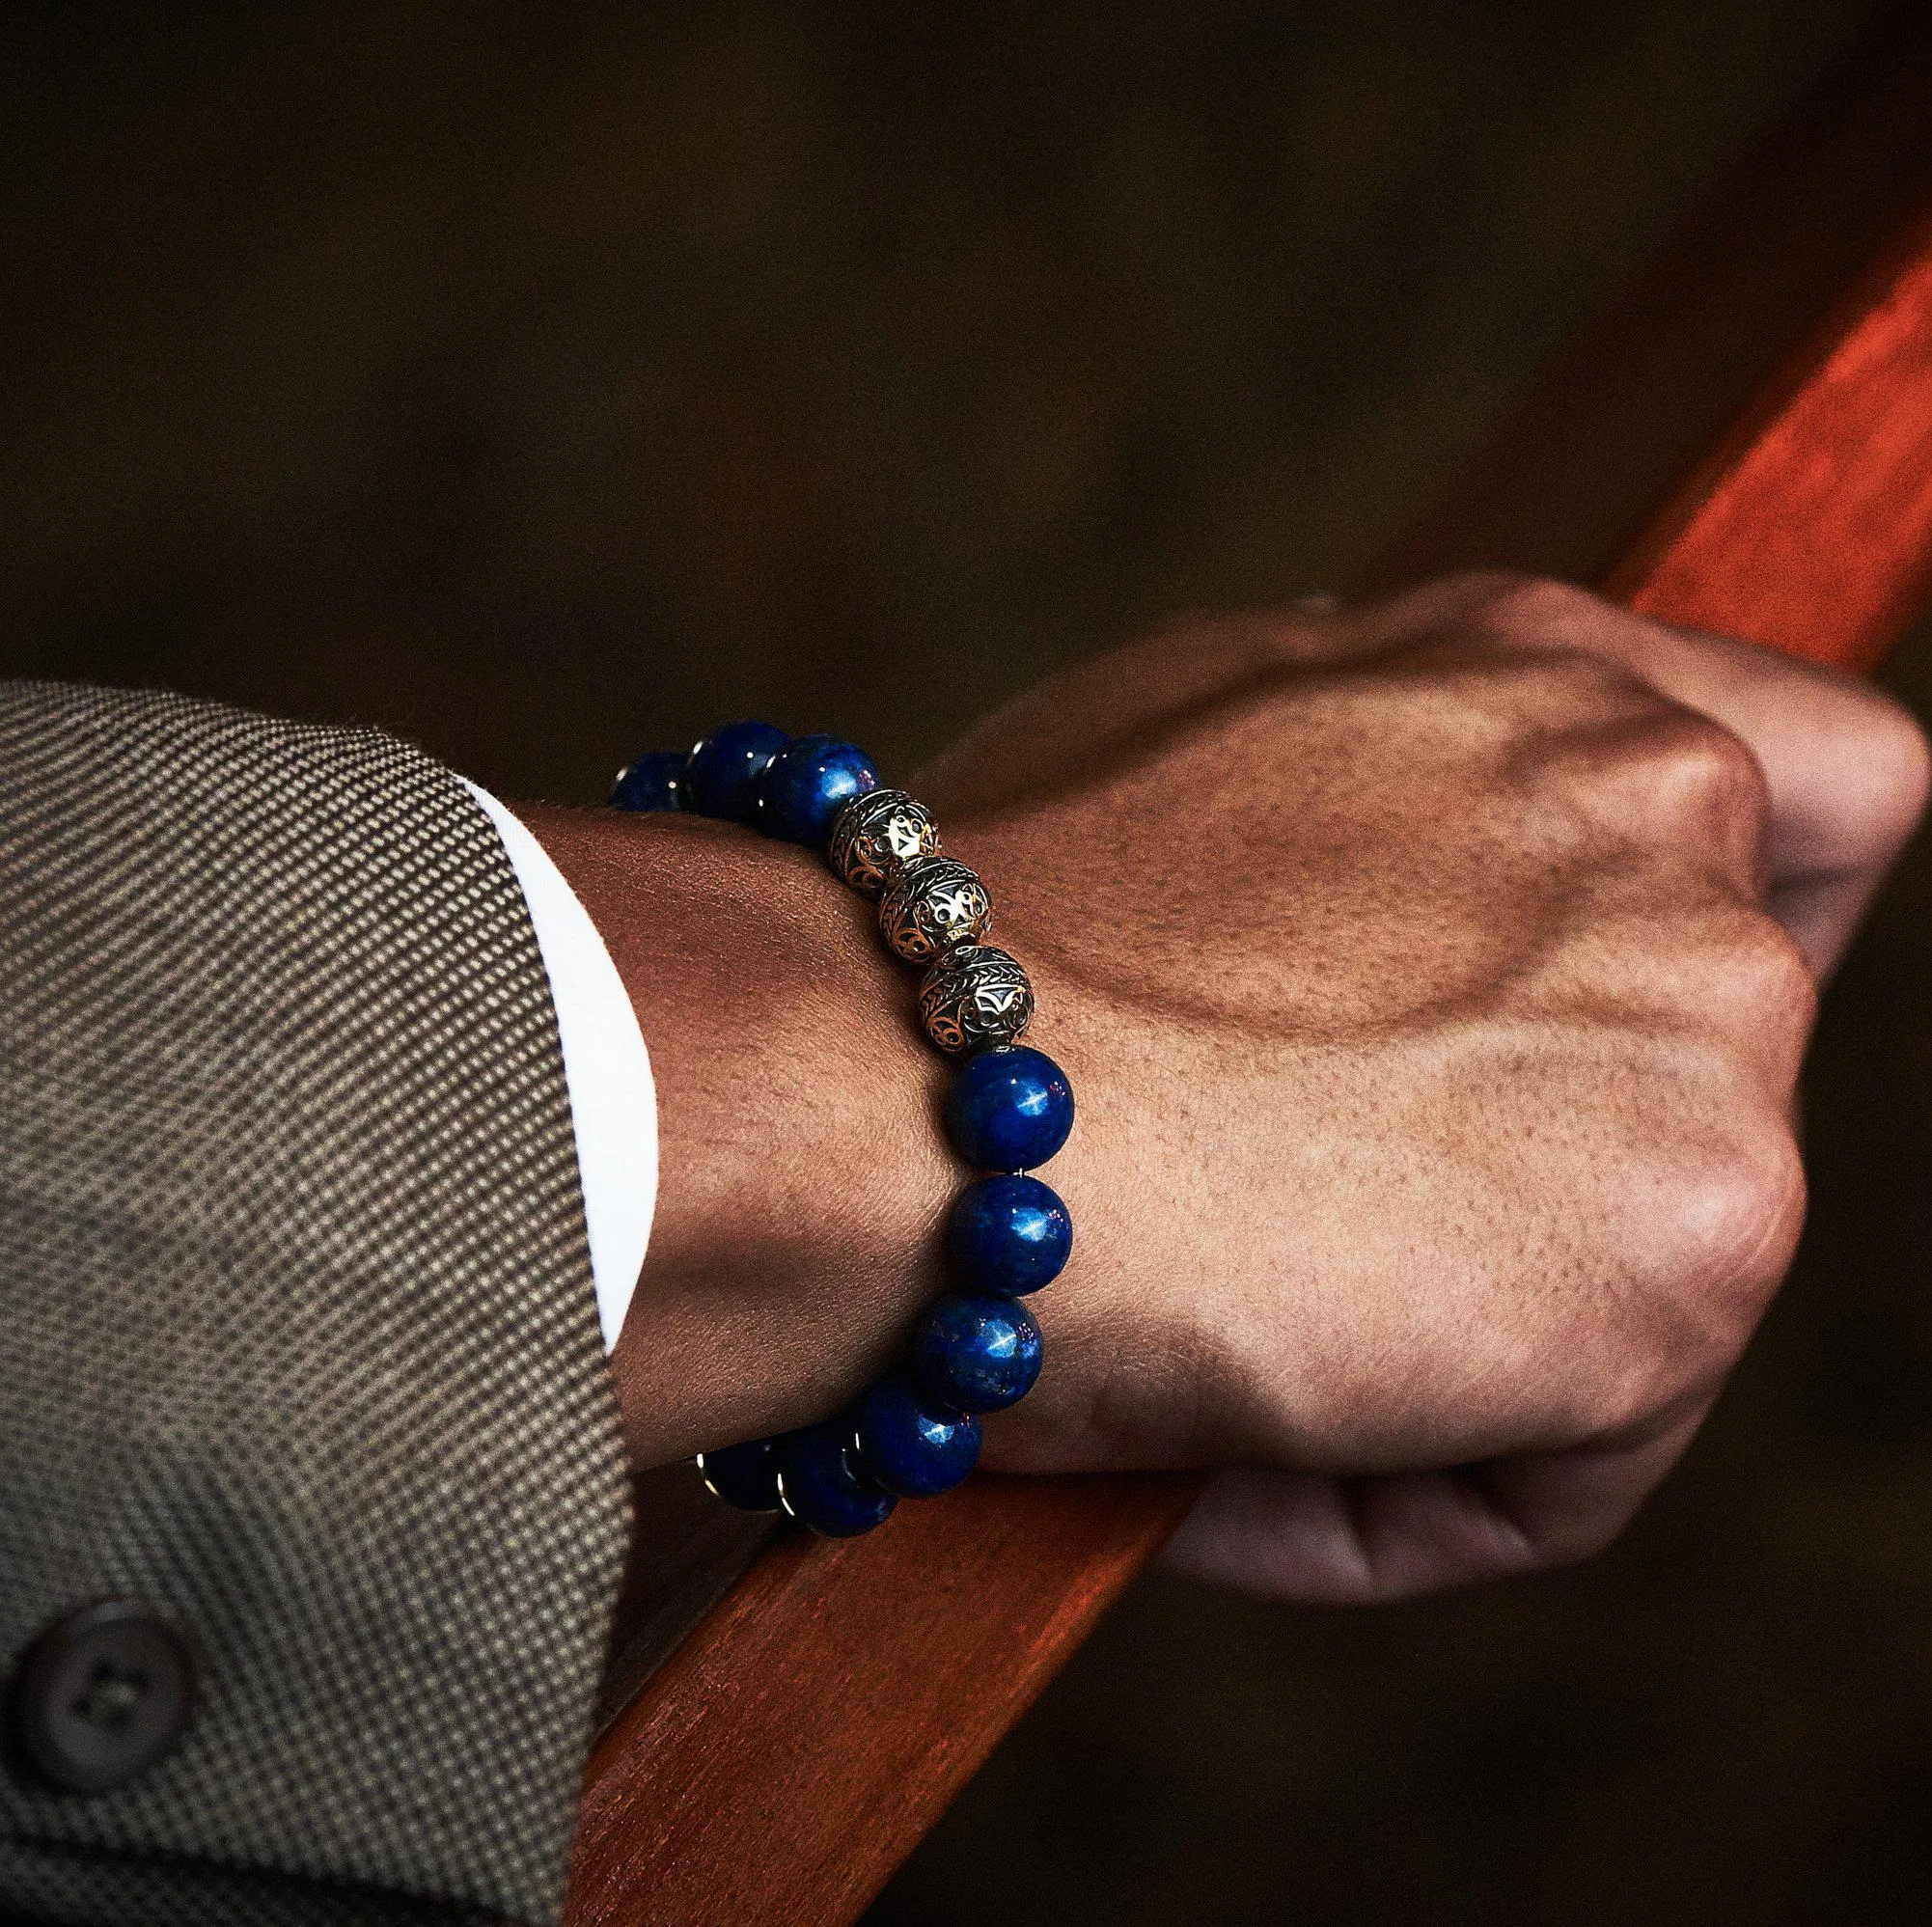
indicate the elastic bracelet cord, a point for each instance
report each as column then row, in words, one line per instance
column 915, row 1434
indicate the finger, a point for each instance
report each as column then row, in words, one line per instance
column 1845, row 768
column 1312, row 1539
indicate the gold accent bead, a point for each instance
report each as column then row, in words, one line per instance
column 932, row 904
column 875, row 834
column 974, row 996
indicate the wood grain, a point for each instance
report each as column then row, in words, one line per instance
column 797, row 1745
column 1810, row 527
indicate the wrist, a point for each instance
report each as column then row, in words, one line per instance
column 802, row 1169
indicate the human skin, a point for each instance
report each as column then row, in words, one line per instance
column 1433, row 977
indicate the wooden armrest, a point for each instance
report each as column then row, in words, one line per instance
column 795, row 1748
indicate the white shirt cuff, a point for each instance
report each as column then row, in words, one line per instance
column 613, row 1101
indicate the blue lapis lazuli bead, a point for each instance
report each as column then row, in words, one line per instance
column 652, row 781
column 807, row 785
column 910, row 1445
column 744, row 1476
column 1009, row 1109
column 821, row 1486
column 1009, row 1233
column 721, row 775
column 978, row 1352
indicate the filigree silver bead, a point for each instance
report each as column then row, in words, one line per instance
column 875, row 834
column 974, row 996
column 930, row 905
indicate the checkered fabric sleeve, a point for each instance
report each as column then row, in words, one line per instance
column 297, row 1335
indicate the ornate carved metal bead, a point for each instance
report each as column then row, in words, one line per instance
column 973, row 996
column 877, row 834
column 930, row 905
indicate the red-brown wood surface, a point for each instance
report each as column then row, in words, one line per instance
column 795, row 1748
column 1810, row 527
column 1655, row 381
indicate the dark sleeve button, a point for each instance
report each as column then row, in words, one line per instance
column 102, row 1694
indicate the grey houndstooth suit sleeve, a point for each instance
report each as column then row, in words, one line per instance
column 297, row 1336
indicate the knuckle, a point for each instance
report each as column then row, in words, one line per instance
column 1756, row 1203
column 1655, row 776
column 1625, row 1394
column 1539, row 609
column 1553, row 701
column 1717, row 1225
column 1712, row 770
column 1778, row 989
column 1487, row 588
column 1754, row 984
column 1582, row 688
column 1486, row 611
column 1738, row 1219
column 1469, row 591
column 1677, row 778
column 1906, row 758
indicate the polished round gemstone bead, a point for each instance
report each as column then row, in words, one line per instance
column 931, row 904
column 976, row 1354
column 1009, row 1109
column 877, row 833
column 975, row 996
column 911, row 1446
column 722, row 773
column 808, row 784
column 744, row 1476
column 1009, row 1233
column 820, row 1487
column 652, row 781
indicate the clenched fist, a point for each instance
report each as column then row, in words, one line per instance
column 1434, row 977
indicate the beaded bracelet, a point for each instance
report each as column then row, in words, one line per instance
column 916, row 1434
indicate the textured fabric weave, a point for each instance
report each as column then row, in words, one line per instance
column 297, row 1338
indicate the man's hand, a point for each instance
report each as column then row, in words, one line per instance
column 1434, row 978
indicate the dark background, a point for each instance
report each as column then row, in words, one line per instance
column 547, row 380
